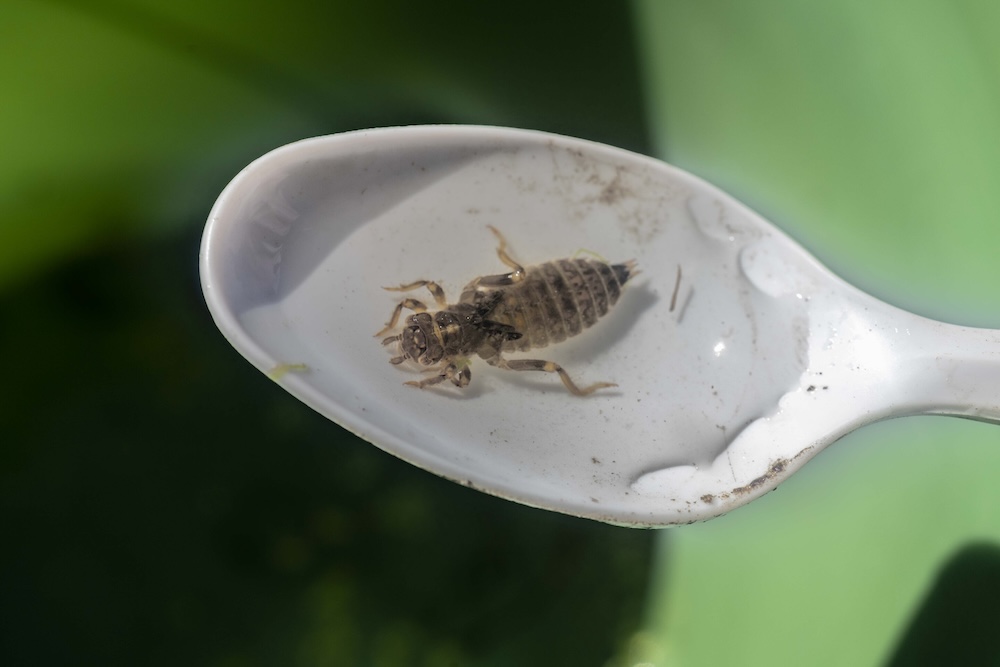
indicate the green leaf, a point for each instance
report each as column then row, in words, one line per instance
column 869, row 132
column 128, row 117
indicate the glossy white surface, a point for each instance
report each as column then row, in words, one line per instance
column 765, row 358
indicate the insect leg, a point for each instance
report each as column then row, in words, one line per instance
column 548, row 367
column 434, row 288
column 515, row 276
column 459, row 376
column 412, row 304
column 397, row 359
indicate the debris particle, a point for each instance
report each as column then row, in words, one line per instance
column 280, row 370
column 677, row 287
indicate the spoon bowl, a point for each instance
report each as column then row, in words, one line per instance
column 737, row 355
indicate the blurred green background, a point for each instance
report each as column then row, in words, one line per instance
column 163, row 503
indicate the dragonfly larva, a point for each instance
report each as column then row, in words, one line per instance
column 524, row 309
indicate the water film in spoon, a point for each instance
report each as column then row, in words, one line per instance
column 696, row 359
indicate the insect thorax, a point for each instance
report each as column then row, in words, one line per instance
column 428, row 338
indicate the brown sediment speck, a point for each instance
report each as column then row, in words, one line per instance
column 677, row 287
column 777, row 467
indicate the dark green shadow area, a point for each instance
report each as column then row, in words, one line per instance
column 959, row 621
column 561, row 65
column 152, row 107
column 163, row 503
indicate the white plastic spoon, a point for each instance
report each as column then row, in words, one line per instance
column 737, row 355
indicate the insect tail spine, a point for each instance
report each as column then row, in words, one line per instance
column 625, row 271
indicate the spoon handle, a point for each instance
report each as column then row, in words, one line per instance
column 953, row 370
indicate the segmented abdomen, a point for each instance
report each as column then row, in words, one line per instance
column 559, row 299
